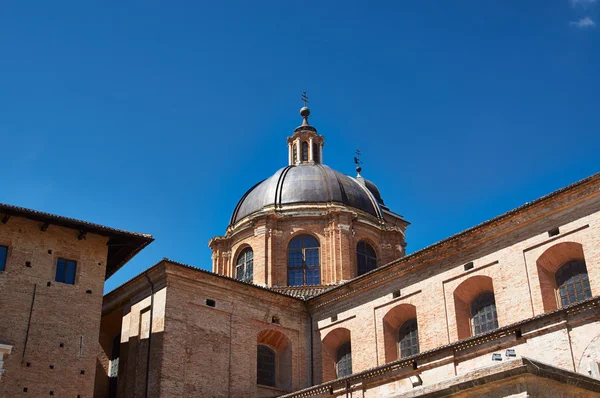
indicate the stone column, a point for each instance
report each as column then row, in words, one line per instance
column 290, row 154
column 298, row 151
column 321, row 153
column 310, row 150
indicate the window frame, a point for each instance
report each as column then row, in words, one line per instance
column 585, row 282
column 65, row 269
column 304, row 268
column 275, row 365
column 316, row 153
column 347, row 357
column 479, row 313
column 366, row 257
column 3, row 258
column 304, row 151
column 244, row 265
column 406, row 325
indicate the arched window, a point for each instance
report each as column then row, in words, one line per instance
column 366, row 258
column 573, row 283
column 266, row 366
column 316, row 153
column 303, row 261
column 244, row 266
column 344, row 360
column 408, row 338
column 483, row 313
column 304, row 151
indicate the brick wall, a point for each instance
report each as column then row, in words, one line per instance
column 52, row 326
column 338, row 232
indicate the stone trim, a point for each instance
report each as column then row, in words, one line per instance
column 402, row 365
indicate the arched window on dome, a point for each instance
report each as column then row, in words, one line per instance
column 343, row 363
column 304, row 267
column 316, row 153
column 573, row 283
column 483, row 313
column 266, row 366
column 366, row 258
column 244, row 266
column 304, row 151
column 408, row 338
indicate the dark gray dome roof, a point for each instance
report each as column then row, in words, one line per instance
column 374, row 190
column 308, row 183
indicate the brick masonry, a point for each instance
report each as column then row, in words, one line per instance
column 54, row 334
column 211, row 351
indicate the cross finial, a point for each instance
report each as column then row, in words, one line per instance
column 304, row 98
column 358, row 162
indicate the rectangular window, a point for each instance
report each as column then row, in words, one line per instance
column 3, row 253
column 65, row 271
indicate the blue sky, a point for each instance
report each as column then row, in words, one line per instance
column 157, row 116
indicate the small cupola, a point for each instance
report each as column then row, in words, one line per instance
column 305, row 146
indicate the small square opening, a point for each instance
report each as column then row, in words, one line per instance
column 28, row 264
column 553, row 232
column 211, row 303
column 334, row 318
column 469, row 266
column 396, row 293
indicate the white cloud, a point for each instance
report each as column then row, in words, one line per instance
column 583, row 3
column 583, row 23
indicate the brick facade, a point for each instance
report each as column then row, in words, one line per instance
column 208, row 351
column 51, row 327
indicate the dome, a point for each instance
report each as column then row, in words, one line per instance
column 373, row 189
column 309, row 183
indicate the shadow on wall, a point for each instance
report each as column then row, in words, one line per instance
column 122, row 368
column 547, row 266
column 330, row 345
column 464, row 296
column 392, row 322
column 274, row 360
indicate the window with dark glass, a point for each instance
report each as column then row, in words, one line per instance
column 316, row 153
column 344, row 360
column 408, row 338
column 266, row 365
column 65, row 271
column 366, row 258
column 304, row 151
column 304, row 261
column 244, row 267
column 3, row 255
column 483, row 313
column 573, row 283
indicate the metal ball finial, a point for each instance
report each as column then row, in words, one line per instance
column 358, row 170
column 304, row 111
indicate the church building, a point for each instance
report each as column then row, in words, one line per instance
column 311, row 294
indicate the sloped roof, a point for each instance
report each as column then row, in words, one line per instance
column 122, row 245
